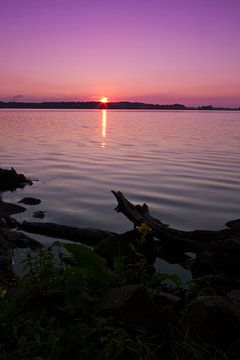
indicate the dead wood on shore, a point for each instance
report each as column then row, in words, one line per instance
column 173, row 240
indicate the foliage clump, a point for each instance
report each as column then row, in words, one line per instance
column 52, row 316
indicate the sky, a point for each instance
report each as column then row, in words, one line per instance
column 156, row 51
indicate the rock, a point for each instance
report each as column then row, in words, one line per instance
column 10, row 222
column 117, row 245
column 5, row 263
column 6, row 273
column 208, row 262
column 189, row 260
column 39, row 214
column 82, row 235
column 213, row 319
column 165, row 299
column 131, row 304
column 217, row 284
column 7, row 209
column 7, row 276
column 11, row 180
column 30, row 201
column 4, row 244
column 234, row 224
column 234, row 298
column 120, row 245
column 20, row 240
column 8, row 241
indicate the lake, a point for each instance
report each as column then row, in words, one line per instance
column 184, row 164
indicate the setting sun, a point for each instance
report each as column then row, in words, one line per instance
column 104, row 100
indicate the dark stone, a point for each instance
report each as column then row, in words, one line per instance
column 234, row 297
column 11, row 180
column 20, row 240
column 7, row 209
column 117, row 245
column 234, row 224
column 5, row 262
column 189, row 260
column 82, row 235
column 7, row 275
column 165, row 299
column 214, row 319
column 216, row 284
column 30, row 201
column 4, row 244
column 131, row 304
column 8, row 241
column 208, row 262
column 10, row 222
column 39, row 214
column 120, row 245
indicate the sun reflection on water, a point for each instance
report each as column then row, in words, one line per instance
column 104, row 127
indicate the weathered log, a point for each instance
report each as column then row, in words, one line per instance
column 135, row 213
column 177, row 241
column 82, row 235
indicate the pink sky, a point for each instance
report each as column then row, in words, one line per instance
column 158, row 51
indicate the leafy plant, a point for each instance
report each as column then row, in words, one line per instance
column 160, row 280
column 40, row 272
column 87, row 261
column 2, row 293
column 53, row 317
column 119, row 271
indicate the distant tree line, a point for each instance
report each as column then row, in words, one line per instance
column 125, row 105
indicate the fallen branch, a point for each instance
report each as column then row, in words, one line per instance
column 177, row 241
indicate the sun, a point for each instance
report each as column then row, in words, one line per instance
column 104, row 100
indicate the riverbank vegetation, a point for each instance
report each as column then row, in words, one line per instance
column 87, row 311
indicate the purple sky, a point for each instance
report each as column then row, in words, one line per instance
column 159, row 51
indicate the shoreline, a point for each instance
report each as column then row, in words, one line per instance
column 173, row 243
column 129, row 291
column 121, row 105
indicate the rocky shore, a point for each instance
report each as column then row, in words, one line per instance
column 11, row 180
column 207, row 308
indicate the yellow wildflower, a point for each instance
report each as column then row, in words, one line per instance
column 144, row 229
column 2, row 293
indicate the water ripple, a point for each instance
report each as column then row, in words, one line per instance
column 185, row 165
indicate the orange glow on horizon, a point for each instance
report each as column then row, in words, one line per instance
column 104, row 100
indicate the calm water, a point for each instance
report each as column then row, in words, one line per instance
column 185, row 165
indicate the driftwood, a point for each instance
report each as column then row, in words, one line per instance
column 177, row 241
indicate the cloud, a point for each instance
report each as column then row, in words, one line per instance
column 16, row 98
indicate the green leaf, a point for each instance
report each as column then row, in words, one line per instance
column 175, row 279
column 159, row 277
column 137, row 253
column 86, row 259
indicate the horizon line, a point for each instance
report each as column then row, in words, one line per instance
column 123, row 104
